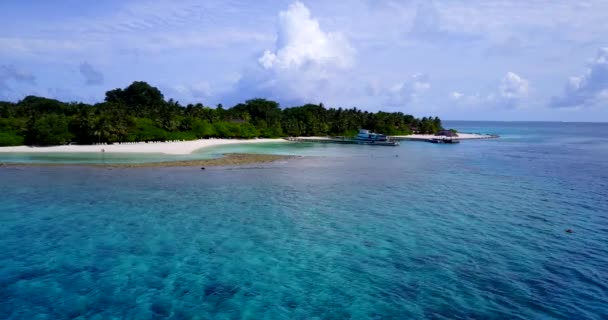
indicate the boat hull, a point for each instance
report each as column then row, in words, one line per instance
column 379, row 143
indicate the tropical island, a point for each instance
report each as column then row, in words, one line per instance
column 140, row 113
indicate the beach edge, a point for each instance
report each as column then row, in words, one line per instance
column 229, row 159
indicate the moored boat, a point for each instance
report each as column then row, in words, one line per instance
column 371, row 138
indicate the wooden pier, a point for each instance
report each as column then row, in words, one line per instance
column 343, row 140
column 393, row 140
column 426, row 138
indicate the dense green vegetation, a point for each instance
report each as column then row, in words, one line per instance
column 140, row 113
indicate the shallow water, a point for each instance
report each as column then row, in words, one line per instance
column 468, row 231
column 97, row 158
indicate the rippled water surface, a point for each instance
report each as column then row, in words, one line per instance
column 420, row 231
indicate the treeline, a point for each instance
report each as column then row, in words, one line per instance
column 140, row 113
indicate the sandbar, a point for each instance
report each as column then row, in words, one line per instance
column 230, row 159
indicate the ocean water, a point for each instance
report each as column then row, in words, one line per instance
column 420, row 231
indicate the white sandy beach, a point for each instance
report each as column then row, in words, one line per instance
column 187, row 147
column 176, row 148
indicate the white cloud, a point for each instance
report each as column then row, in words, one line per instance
column 513, row 87
column 589, row 88
column 510, row 92
column 456, row 95
column 308, row 63
column 301, row 42
column 471, row 100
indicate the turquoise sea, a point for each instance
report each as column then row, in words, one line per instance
column 419, row 231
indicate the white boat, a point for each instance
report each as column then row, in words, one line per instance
column 367, row 137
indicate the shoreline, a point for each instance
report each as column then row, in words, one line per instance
column 170, row 148
column 229, row 159
column 188, row 147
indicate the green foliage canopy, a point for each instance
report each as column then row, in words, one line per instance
column 140, row 112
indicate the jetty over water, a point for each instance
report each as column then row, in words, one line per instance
column 394, row 140
column 343, row 140
column 459, row 136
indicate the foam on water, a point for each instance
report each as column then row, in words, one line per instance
column 474, row 230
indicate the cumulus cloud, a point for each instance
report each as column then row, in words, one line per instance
column 301, row 42
column 510, row 92
column 588, row 89
column 513, row 87
column 9, row 73
column 91, row 76
column 307, row 64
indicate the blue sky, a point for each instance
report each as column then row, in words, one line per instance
column 458, row 59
